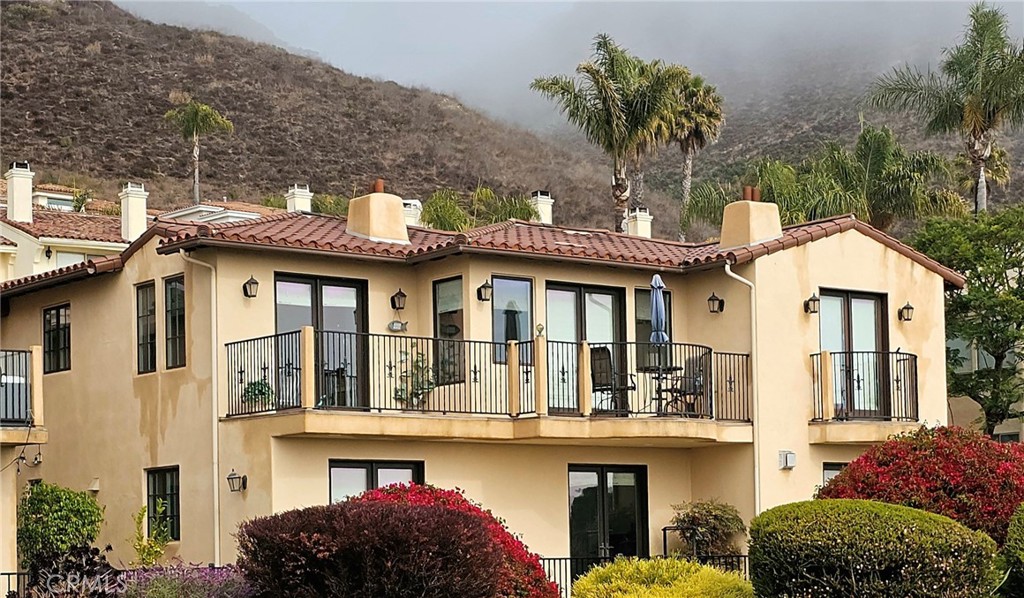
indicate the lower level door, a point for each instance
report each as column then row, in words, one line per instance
column 607, row 511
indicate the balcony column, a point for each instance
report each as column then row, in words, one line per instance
column 584, row 383
column 828, row 402
column 36, row 385
column 540, row 374
column 307, row 365
column 512, row 374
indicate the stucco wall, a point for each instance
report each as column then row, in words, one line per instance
column 10, row 488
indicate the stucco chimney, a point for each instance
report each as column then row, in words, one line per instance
column 413, row 209
column 544, row 203
column 750, row 221
column 299, row 198
column 378, row 217
column 19, row 192
column 133, row 210
column 638, row 222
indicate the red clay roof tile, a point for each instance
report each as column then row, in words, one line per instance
column 69, row 225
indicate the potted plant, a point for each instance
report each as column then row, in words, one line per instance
column 259, row 395
column 416, row 381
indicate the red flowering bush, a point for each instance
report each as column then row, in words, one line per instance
column 523, row 576
column 950, row 471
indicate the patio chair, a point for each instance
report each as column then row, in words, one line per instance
column 687, row 389
column 606, row 380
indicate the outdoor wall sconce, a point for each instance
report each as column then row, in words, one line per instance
column 237, row 483
column 483, row 292
column 49, row 252
column 716, row 304
column 906, row 312
column 812, row 304
column 250, row 287
column 398, row 300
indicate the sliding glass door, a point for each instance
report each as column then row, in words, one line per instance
column 852, row 328
column 607, row 511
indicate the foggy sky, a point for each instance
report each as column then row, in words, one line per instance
column 486, row 53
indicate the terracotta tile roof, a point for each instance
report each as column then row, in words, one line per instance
column 7, row 242
column 25, row 284
column 106, row 207
column 54, row 188
column 327, row 233
column 69, row 225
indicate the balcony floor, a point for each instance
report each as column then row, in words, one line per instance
column 857, row 432
column 554, row 430
column 14, row 435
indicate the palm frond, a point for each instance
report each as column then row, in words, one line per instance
column 443, row 210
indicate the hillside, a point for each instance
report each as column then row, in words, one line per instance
column 84, row 87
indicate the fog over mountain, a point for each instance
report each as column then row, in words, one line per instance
column 486, row 53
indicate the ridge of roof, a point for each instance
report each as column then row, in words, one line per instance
column 61, row 224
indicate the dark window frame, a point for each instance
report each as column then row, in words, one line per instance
column 175, row 342
column 372, row 468
column 57, row 339
column 499, row 351
column 457, row 374
column 643, row 497
column 145, row 328
column 170, row 494
column 835, row 467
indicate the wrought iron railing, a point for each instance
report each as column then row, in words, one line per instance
column 13, row 584
column 527, row 380
column 15, row 388
column 632, row 378
column 865, row 385
column 264, row 374
column 732, row 389
column 563, row 362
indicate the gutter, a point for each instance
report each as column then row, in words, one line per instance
column 214, row 385
column 756, row 424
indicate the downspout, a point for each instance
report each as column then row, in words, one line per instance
column 755, row 383
column 214, row 353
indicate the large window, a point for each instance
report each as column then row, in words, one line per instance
column 349, row 478
column 145, row 327
column 163, row 500
column 647, row 356
column 174, row 321
column 511, row 313
column 57, row 339
column 449, row 328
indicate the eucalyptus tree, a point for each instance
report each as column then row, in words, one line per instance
column 977, row 92
column 695, row 122
column 194, row 119
column 616, row 100
column 878, row 180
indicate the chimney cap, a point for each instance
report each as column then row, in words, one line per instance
column 130, row 186
column 378, row 186
column 20, row 165
column 541, row 193
column 299, row 187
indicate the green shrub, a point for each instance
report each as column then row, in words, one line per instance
column 53, row 519
column 867, row 549
column 708, row 527
column 1013, row 556
column 659, row 578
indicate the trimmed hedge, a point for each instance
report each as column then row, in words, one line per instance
column 369, row 550
column 1013, row 556
column 659, row 578
column 867, row 549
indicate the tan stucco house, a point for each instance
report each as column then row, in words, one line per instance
column 244, row 368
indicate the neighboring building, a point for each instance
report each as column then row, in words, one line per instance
column 964, row 412
column 302, row 358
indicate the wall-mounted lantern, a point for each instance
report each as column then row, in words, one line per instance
column 906, row 312
column 250, row 287
column 237, row 483
column 716, row 304
column 483, row 292
column 49, row 252
column 398, row 300
column 812, row 304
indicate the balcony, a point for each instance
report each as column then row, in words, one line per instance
column 21, row 396
column 862, row 396
column 536, row 388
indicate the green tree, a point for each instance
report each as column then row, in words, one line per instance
column 978, row 90
column 53, row 519
column 695, row 122
column 997, row 171
column 989, row 313
column 617, row 101
column 878, row 180
column 193, row 119
column 445, row 209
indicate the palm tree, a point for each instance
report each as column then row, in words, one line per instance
column 446, row 210
column 443, row 210
column 997, row 171
column 616, row 102
column 193, row 119
column 696, row 121
column 978, row 90
column 879, row 180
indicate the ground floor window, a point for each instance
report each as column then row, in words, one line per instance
column 349, row 478
column 831, row 470
column 163, row 502
column 607, row 511
column 1007, row 437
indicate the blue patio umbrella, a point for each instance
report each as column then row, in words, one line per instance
column 659, row 334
